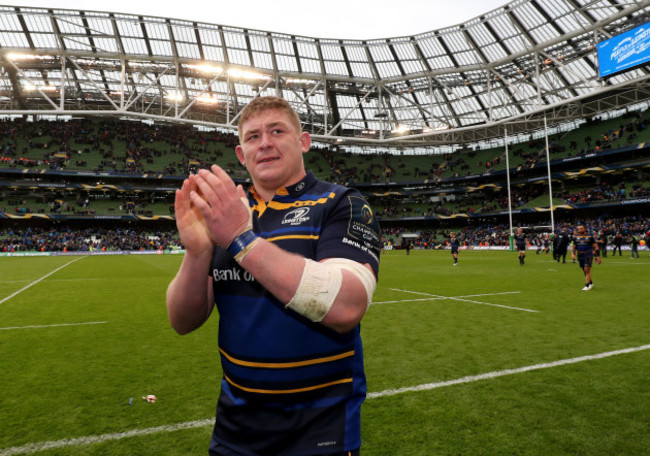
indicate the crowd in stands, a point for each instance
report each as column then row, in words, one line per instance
column 490, row 202
column 139, row 143
column 89, row 203
column 482, row 202
column 535, row 151
column 602, row 192
column 119, row 146
column 639, row 191
column 633, row 124
column 134, row 147
column 59, row 239
column 488, row 235
column 67, row 239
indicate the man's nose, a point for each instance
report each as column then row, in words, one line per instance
column 265, row 140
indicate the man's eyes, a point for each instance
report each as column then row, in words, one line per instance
column 255, row 136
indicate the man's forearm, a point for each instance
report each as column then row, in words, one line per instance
column 277, row 270
column 280, row 272
column 189, row 301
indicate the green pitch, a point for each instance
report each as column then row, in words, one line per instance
column 494, row 358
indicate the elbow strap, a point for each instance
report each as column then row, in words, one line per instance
column 361, row 272
column 317, row 290
column 321, row 283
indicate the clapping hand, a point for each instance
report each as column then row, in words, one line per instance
column 222, row 205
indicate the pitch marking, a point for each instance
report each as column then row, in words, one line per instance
column 86, row 279
column 79, row 441
column 444, row 297
column 34, row 447
column 624, row 263
column 490, row 375
column 39, row 280
column 468, row 300
column 54, row 326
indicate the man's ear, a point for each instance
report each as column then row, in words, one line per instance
column 240, row 154
column 305, row 141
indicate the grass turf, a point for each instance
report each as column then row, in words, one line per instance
column 431, row 323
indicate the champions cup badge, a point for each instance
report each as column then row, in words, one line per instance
column 366, row 214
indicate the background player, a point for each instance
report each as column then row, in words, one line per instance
column 586, row 247
column 520, row 245
column 454, row 243
column 562, row 246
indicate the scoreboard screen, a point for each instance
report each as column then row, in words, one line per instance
column 624, row 52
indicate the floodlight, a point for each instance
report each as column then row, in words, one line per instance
column 208, row 99
column 15, row 57
column 207, row 68
column 243, row 74
column 175, row 96
column 400, row 129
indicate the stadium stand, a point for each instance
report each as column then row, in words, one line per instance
column 122, row 167
column 46, row 163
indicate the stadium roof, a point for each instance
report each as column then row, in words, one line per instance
column 516, row 66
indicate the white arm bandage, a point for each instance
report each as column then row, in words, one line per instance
column 321, row 282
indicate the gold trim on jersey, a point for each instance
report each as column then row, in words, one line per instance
column 284, row 365
column 261, row 206
column 289, row 391
column 294, row 236
column 300, row 203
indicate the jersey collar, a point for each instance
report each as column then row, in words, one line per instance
column 300, row 187
column 296, row 189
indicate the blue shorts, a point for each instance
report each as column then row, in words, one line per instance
column 217, row 449
column 585, row 260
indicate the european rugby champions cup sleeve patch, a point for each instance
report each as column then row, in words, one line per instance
column 363, row 227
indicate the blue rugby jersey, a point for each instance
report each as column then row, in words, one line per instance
column 291, row 386
column 520, row 241
column 584, row 244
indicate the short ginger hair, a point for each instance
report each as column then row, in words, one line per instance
column 262, row 104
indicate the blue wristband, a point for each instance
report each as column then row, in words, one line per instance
column 241, row 242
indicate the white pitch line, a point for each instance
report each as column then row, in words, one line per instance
column 92, row 439
column 490, row 375
column 635, row 263
column 54, row 326
column 433, row 298
column 468, row 300
column 42, row 278
column 488, row 294
column 86, row 279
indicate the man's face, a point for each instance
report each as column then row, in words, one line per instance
column 581, row 230
column 271, row 150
